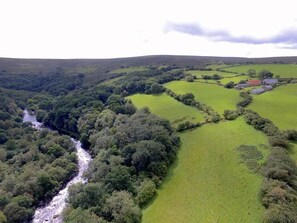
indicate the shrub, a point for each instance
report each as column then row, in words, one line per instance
column 146, row 191
column 291, row 134
column 247, row 99
column 189, row 79
column 229, row 85
column 278, row 140
column 230, row 115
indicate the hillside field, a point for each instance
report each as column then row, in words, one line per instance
column 219, row 98
column 208, row 183
column 279, row 105
column 283, row 70
column 200, row 73
column 167, row 107
column 234, row 79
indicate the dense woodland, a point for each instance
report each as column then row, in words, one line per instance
column 34, row 165
column 131, row 149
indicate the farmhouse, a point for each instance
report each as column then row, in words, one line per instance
column 258, row 91
column 254, row 82
column 270, row 81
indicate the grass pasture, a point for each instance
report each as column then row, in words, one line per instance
column 283, row 70
column 217, row 66
column 234, row 79
column 219, row 98
column 200, row 73
column 278, row 105
column 168, row 108
column 208, row 183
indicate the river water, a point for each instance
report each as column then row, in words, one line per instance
column 52, row 212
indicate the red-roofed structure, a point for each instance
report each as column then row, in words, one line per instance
column 254, row 82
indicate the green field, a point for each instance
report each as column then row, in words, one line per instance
column 168, row 108
column 283, row 70
column 199, row 73
column 208, row 183
column 216, row 66
column 219, row 98
column 234, row 79
column 225, row 80
column 278, row 105
column 128, row 70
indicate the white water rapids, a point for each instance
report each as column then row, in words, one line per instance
column 51, row 213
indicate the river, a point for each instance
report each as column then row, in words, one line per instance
column 52, row 212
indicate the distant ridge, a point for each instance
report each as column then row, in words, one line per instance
column 18, row 65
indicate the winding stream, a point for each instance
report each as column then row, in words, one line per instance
column 52, row 212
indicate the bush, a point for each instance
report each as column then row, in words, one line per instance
column 189, row 79
column 291, row 134
column 2, row 218
column 215, row 117
column 156, row 88
column 247, row 99
column 146, row 192
column 120, row 207
column 229, row 85
column 279, row 140
column 230, row 115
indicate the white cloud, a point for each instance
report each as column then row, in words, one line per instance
column 116, row 28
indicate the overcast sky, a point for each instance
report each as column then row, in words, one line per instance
column 122, row 28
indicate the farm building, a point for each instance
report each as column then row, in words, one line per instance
column 240, row 86
column 270, row 81
column 258, row 91
column 254, row 82
column 267, row 87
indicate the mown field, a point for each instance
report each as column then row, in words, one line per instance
column 200, row 73
column 208, row 183
column 219, row 98
column 279, row 105
column 283, row 70
column 168, row 108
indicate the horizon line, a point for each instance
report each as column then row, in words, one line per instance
column 130, row 57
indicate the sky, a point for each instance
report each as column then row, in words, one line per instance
column 126, row 28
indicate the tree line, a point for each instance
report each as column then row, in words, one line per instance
column 279, row 188
column 189, row 100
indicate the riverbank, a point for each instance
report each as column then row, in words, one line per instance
column 52, row 212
